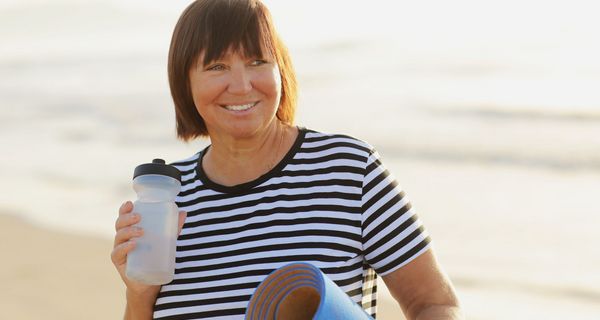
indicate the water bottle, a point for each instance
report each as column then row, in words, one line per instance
column 153, row 259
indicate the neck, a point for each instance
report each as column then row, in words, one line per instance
column 234, row 161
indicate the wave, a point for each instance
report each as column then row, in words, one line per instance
column 566, row 113
column 546, row 290
column 472, row 156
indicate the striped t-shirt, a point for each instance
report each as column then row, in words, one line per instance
column 329, row 202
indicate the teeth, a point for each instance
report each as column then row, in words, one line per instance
column 242, row 107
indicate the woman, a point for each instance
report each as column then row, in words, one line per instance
column 266, row 193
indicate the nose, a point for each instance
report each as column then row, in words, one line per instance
column 240, row 81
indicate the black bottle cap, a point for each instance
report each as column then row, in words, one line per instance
column 157, row 166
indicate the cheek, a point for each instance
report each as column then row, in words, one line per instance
column 271, row 84
column 205, row 92
column 277, row 79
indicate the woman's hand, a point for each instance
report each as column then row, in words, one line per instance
column 140, row 297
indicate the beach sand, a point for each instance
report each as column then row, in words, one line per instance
column 55, row 275
column 492, row 131
column 518, row 243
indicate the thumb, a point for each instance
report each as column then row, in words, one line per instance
column 182, row 216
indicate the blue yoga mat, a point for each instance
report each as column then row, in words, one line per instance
column 300, row 291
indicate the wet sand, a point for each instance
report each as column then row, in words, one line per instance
column 493, row 132
column 55, row 275
column 518, row 243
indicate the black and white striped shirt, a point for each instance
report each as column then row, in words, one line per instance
column 329, row 202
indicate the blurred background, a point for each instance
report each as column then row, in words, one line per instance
column 487, row 112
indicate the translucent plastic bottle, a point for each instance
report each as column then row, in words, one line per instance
column 153, row 259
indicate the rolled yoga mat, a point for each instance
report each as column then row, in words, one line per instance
column 300, row 291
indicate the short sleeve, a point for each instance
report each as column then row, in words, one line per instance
column 392, row 234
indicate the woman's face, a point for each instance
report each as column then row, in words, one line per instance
column 236, row 96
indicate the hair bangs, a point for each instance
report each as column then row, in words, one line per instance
column 234, row 26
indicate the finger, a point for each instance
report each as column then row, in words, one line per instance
column 119, row 253
column 127, row 220
column 127, row 233
column 126, row 207
column 182, row 216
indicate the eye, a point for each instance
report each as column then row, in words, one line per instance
column 215, row 67
column 258, row 62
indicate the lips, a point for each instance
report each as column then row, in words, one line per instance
column 239, row 107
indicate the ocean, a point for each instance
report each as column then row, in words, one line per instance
column 488, row 113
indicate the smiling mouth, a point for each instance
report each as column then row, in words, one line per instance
column 240, row 107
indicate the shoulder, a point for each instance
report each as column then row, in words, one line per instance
column 186, row 164
column 320, row 139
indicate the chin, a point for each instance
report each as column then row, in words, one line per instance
column 244, row 131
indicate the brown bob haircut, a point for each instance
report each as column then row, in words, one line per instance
column 211, row 28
